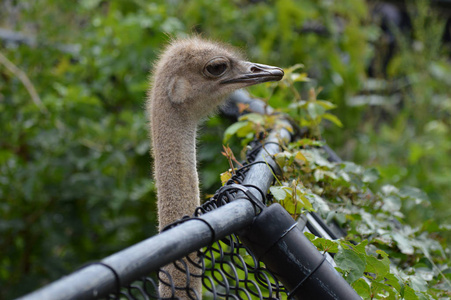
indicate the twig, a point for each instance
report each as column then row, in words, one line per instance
column 25, row 81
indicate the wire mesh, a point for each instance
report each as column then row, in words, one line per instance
column 228, row 270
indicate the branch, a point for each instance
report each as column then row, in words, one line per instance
column 25, row 81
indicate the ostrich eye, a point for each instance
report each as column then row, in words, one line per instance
column 216, row 67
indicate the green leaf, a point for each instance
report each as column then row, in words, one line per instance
column 299, row 157
column 241, row 129
column 313, row 155
column 225, row 176
column 408, row 293
column 293, row 68
column 418, row 284
column 306, row 142
column 298, row 104
column 284, row 158
column 360, row 248
column 326, row 104
column 300, row 197
column 414, row 193
column 394, row 281
column 351, row 167
column 322, row 244
column 334, row 119
column 315, row 110
column 299, row 77
column 318, row 202
column 254, row 118
column 293, row 204
column 320, row 174
column 380, row 267
column 403, row 243
column 362, row 288
column 351, row 262
column 370, row 175
column 279, row 192
column 391, row 204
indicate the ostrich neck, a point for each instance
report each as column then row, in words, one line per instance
column 174, row 147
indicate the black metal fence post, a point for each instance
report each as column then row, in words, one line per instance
column 275, row 239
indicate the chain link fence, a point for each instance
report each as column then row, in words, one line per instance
column 243, row 249
column 229, row 271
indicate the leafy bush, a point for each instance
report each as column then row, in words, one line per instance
column 381, row 256
column 74, row 163
column 412, row 145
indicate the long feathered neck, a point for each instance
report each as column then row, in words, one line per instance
column 173, row 136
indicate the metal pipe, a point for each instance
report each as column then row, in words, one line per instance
column 139, row 260
column 275, row 239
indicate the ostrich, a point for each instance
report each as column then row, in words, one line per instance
column 191, row 78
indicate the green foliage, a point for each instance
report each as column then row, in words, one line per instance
column 74, row 173
column 391, row 259
column 406, row 134
column 74, row 163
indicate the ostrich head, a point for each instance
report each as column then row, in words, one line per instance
column 195, row 75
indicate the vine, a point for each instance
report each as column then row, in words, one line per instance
column 381, row 256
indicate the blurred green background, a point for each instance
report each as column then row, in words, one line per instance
column 75, row 173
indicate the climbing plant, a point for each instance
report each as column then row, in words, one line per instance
column 382, row 256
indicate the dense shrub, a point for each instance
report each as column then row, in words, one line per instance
column 75, row 176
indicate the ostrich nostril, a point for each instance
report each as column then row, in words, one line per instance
column 256, row 70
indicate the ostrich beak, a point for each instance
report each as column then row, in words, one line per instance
column 248, row 73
